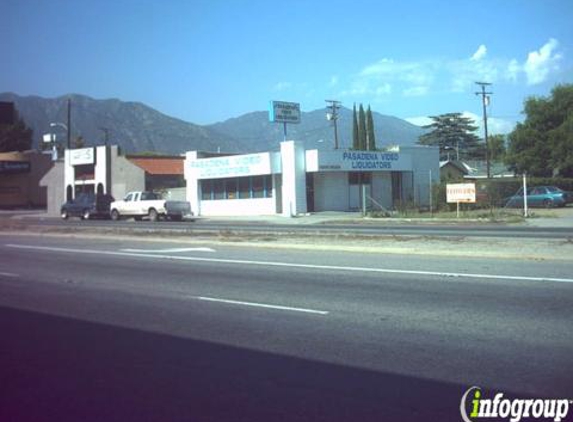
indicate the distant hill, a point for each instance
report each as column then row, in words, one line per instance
column 255, row 130
column 137, row 127
column 134, row 126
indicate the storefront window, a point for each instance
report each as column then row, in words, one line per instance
column 244, row 187
column 206, row 190
column 258, row 187
column 219, row 189
column 237, row 188
column 231, row 188
column 359, row 178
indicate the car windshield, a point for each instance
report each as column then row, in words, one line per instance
column 553, row 189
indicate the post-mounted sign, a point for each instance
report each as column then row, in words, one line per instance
column 461, row 193
column 82, row 156
column 283, row 112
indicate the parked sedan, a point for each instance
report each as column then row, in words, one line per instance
column 541, row 196
column 86, row 206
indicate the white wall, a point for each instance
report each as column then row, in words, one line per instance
column 230, row 207
column 331, row 191
column 382, row 189
column 293, row 178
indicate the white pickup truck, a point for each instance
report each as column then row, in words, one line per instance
column 149, row 204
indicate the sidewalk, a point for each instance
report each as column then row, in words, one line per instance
column 561, row 217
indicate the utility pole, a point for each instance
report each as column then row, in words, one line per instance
column 105, row 131
column 485, row 102
column 332, row 114
column 69, row 123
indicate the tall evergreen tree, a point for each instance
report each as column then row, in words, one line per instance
column 370, row 136
column 454, row 131
column 361, row 128
column 355, row 140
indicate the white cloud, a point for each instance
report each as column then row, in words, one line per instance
column 282, row 86
column 416, row 91
column 418, row 78
column 513, row 70
column 419, row 121
column 378, row 79
column 479, row 54
column 384, row 89
column 333, row 80
column 495, row 125
column 540, row 63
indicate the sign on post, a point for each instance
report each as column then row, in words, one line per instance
column 461, row 192
column 283, row 112
column 457, row 193
column 82, row 156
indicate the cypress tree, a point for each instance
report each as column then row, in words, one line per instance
column 361, row 128
column 355, row 140
column 371, row 137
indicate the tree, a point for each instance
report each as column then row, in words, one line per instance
column 496, row 148
column 454, row 131
column 79, row 142
column 16, row 137
column 543, row 144
column 370, row 136
column 355, row 140
column 361, row 128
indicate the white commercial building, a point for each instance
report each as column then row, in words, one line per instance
column 296, row 181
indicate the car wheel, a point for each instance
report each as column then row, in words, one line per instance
column 548, row 203
column 64, row 214
column 86, row 215
column 114, row 215
column 153, row 214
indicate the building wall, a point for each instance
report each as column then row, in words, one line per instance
column 125, row 176
column 400, row 175
column 55, row 194
column 382, row 190
column 293, row 158
column 23, row 189
column 229, row 207
column 331, row 191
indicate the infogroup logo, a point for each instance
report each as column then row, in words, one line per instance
column 514, row 410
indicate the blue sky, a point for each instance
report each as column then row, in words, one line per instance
column 207, row 61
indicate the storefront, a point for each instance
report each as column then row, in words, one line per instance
column 20, row 175
column 294, row 181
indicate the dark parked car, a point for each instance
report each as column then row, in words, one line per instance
column 541, row 196
column 86, row 206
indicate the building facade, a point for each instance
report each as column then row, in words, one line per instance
column 296, row 181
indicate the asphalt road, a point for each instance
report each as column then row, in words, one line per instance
column 376, row 229
column 130, row 330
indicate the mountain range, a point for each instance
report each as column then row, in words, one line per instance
column 138, row 128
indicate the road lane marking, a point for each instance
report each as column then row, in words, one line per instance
column 292, row 265
column 260, row 305
column 172, row 250
column 2, row 273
